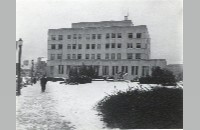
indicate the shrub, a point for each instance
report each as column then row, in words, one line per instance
column 53, row 79
column 82, row 75
column 159, row 76
column 80, row 79
column 159, row 108
column 179, row 77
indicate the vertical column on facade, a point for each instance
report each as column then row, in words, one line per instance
column 65, row 71
column 55, row 72
column 52, row 73
column 119, row 68
column 110, row 70
column 150, row 70
column 129, row 72
column 139, row 70
column 100, row 70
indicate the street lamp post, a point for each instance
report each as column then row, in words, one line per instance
column 32, row 71
column 20, row 42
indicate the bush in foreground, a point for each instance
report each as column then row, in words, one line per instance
column 159, row 108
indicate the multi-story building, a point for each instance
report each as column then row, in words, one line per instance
column 109, row 46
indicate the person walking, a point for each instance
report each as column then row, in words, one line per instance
column 34, row 80
column 43, row 82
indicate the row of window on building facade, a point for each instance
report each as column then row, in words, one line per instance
column 96, row 46
column 105, row 69
column 112, row 56
column 95, row 36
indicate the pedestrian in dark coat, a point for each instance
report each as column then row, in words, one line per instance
column 34, row 80
column 43, row 82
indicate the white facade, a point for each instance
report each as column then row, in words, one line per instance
column 110, row 46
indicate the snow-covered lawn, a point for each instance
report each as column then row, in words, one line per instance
column 71, row 106
column 77, row 102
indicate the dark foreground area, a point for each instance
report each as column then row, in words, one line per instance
column 159, row 108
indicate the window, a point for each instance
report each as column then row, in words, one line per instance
column 79, row 36
column 105, row 70
column 96, row 69
column 88, row 36
column 53, row 46
column 98, row 56
column 93, row 56
column 87, row 46
column 87, row 56
column 51, row 69
column 59, row 56
column 60, row 37
column 137, row 56
column 60, row 69
column 79, row 56
column 68, row 56
column 134, row 70
column 74, row 36
column 79, row 46
column 52, row 57
column 146, row 46
column 60, row 46
column 138, row 45
column 113, row 45
column 53, row 37
column 129, row 55
column 145, row 70
column 119, row 45
column 74, row 46
column 118, row 56
column 107, row 56
column 113, row 35
column 74, row 56
column 107, row 35
column 68, row 69
column 119, row 35
column 98, row 46
column 139, row 35
column 113, row 56
column 107, row 45
column 93, row 46
column 68, row 36
column 69, row 46
column 125, row 69
column 130, row 35
column 129, row 45
column 93, row 36
column 114, row 70
column 99, row 36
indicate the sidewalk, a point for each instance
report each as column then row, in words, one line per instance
column 36, row 111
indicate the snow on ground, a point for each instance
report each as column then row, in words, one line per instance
column 71, row 106
column 77, row 102
column 36, row 111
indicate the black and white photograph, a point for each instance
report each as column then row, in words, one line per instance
column 99, row 64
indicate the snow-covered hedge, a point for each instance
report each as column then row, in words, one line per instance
column 158, row 108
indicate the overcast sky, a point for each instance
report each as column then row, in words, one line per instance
column 162, row 17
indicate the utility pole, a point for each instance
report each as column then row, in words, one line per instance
column 19, row 67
